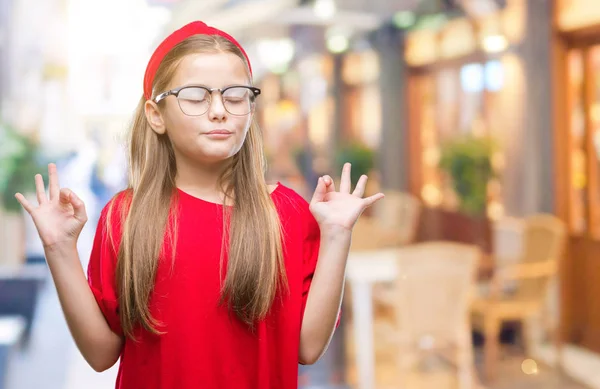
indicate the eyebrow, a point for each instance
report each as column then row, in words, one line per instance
column 208, row 87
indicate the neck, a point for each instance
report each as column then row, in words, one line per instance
column 201, row 180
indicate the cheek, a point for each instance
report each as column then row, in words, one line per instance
column 244, row 123
column 246, row 128
column 173, row 117
column 180, row 126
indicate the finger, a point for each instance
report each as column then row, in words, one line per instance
column 65, row 196
column 40, row 191
column 26, row 204
column 346, row 182
column 69, row 197
column 361, row 186
column 320, row 191
column 373, row 199
column 78, row 207
column 329, row 184
column 53, row 182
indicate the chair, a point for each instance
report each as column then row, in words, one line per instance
column 507, row 237
column 518, row 290
column 431, row 300
column 507, row 248
column 369, row 234
column 399, row 211
column 393, row 222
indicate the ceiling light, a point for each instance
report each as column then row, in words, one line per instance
column 324, row 9
column 495, row 43
column 276, row 54
column 337, row 44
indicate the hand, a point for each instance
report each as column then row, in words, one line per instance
column 340, row 209
column 60, row 218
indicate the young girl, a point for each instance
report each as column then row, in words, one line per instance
column 201, row 274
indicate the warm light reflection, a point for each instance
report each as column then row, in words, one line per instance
column 431, row 195
column 431, row 156
column 495, row 210
column 495, row 43
column 529, row 367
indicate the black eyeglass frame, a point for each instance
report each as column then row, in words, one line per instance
column 175, row 92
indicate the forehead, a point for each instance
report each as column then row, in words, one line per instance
column 214, row 70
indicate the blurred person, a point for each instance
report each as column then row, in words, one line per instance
column 77, row 174
column 201, row 275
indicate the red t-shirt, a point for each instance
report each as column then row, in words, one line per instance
column 205, row 345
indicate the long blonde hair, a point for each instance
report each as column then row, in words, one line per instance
column 252, row 238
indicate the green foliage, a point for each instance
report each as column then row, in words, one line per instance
column 301, row 159
column 19, row 163
column 360, row 156
column 468, row 162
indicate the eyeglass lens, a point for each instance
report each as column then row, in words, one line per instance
column 195, row 101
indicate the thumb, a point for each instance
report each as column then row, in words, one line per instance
column 67, row 196
column 320, row 191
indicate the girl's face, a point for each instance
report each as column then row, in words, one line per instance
column 215, row 135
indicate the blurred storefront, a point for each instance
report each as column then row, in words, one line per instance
column 577, row 117
column 527, row 76
column 297, row 114
column 465, row 79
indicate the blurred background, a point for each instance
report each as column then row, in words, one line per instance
column 479, row 119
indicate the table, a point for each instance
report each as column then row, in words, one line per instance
column 365, row 268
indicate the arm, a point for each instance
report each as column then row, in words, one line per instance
column 95, row 340
column 325, row 296
column 336, row 213
column 59, row 219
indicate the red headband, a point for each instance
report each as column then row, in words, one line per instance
column 193, row 28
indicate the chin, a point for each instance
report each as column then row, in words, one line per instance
column 211, row 154
column 216, row 156
column 214, row 159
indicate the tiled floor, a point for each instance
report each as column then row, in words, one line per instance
column 437, row 374
column 510, row 376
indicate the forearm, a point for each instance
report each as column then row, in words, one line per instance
column 97, row 343
column 325, row 296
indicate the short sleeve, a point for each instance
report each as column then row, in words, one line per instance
column 311, row 245
column 102, row 267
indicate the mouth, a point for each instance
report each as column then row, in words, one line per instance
column 219, row 132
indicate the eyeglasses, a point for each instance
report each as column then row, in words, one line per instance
column 194, row 100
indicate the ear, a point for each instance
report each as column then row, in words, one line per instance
column 154, row 117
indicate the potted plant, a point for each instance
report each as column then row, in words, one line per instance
column 468, row 163
column 20, row 160
column 360, row 156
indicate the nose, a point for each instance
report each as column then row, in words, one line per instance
column 216, row 110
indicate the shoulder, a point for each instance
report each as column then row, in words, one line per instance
column 115, row 211
column 119, row 201
column 294, row 208
column 288, row 201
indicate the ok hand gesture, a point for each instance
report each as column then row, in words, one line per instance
column 340, row 209
column 59, row 217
